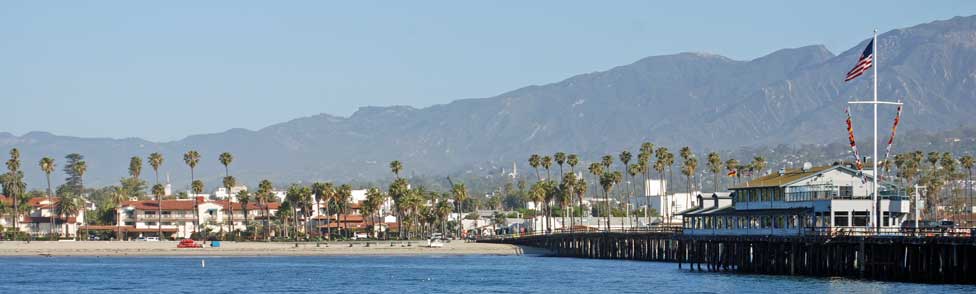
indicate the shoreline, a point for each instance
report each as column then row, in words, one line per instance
column 230, row 249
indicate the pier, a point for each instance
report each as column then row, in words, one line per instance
column 946, row 258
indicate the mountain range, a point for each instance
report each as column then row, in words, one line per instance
column 706, row 101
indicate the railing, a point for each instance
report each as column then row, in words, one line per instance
column 647, row 230
column 904, row 232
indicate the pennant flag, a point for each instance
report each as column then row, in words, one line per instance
column 863, row 63
column 850, row 137
column 891, row 139
column 732, row 172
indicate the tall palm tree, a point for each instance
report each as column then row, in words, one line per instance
column 546, row 164
column 572, row 160
column 318, row 192
column 398, row 191
column 625, row 158
column 560, row 158
column 607, row 180
column 229, row 182
column 374, row 200
column 632, row 171
column 80, row 168
column 226, row 159
column 266, row 196
column 566, row 194
column 13, row 184
column 191, row 158
column 158, row 190
column 714, row 166
column 68, row 206
column 443, row 212
column 537, row 194
column 688, row 168
column 156, row 160
column 396, row 167
column 460, row 193
column 197, row 188
column 659, row 166
column 580, row 189
column 606, row 161
column 343, row 194
column 243, row 197
column 118, row 197
column 135, row 170
column 534, row 162
column 47, row 166
column 967, row 162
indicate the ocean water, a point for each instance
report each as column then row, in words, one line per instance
column 404, row 274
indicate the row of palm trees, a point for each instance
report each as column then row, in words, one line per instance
column 941, row 177
column 547, row 192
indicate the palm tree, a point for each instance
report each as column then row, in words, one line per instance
column 243, row 197
column 156, row 160
column 759, row 163
column 226, row 159
column 689, row 165
column 374, row 200
column 546, row 164
column 266, row 196
column 396, row 167
column 460, row 193
column 580, row 189
column 398, row 191
column 560, row 158
column 47, row 166
column 968, row 162
column 572, row 160
column 13, row 184
column 607, row 161
column 318, row 192
column 343, row 194
column 566, row 194
column 80, row 168
column 537, row 194
column 534, row 162
column 67, row 206
column 191, row 158
column 197, row 188
column 607, row 180
column 135, row 169
column 158, row 191
column 715, row 167
column 633, row 170
column 229, row 182
column 443, row 212
column 119, row 196
column 625, row 158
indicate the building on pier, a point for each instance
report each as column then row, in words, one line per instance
column 828, row 199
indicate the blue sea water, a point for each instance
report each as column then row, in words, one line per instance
column 404, row 274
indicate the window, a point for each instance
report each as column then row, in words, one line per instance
column 150, row 212
column 150, row 223
column 167, row 223
column 885, row 218
column 130, row 223
column 845, row 192
column 861, row 218
column 841, row 219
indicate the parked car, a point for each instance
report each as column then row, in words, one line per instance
column 149, row 239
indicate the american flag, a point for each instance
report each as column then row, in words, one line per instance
column 863, row 63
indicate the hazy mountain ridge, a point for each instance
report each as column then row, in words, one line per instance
column 707, row 101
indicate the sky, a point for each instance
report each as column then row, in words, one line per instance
column 166, row 70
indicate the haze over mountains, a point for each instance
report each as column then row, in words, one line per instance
column 709, row 102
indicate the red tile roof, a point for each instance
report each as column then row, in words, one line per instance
column 250, row 205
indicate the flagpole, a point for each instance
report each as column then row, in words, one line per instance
column 874, row 188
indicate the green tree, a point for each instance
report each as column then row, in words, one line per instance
column 192, row 158
column 155, row 161
column 572, row 160
column 396, row 167
column 73, row 183
column 47, row 166
column 226, row 159
column 715, row 167
column 229, row 183
column 266, row 196
column 607, row 181
column 560, row 158
column 243, row 197
column 159, row 191
column 967, row 163
column 534, row 161
column 68, row 206
column 343, row 194
column 460, row 193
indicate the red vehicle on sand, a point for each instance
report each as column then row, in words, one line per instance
column 189, row 243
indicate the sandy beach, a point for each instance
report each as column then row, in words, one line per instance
column 168, row 248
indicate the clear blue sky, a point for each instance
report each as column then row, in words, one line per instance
column 164, row 71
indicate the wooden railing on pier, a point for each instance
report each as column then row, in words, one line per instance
column 927, row 256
